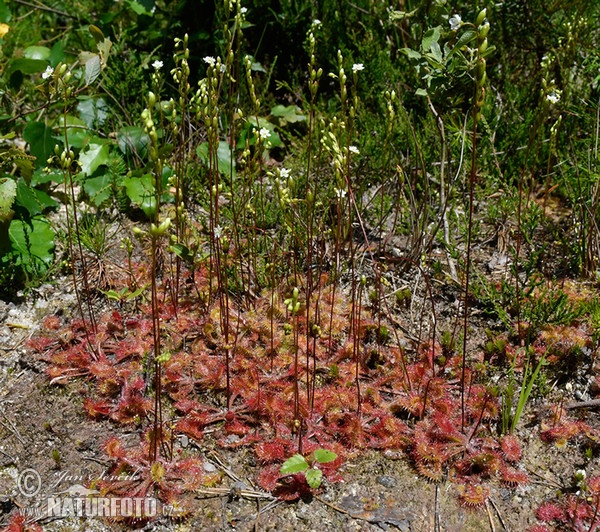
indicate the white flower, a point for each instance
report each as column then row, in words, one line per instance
column 553, row 97
column 340, row 193
column 284, row 173
column 209, row 60
column 455, row 22
column 357, row 66
column 222, row 68
column 157, row 65
column 264, row 133
column 218, row 231
column 48, row 73
column 353, row 149
column 316, row 22
column 244, row 10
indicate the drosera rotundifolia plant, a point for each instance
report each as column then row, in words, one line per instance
column 274, row 256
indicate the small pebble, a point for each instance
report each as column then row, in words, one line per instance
column 386, row 481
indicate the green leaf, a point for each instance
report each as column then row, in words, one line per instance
column 27, row 66
column 8, row 193
column 40, row 177
column 432, row 35
column 463, row 40
column 5, row 15
column 314, row 477
column 290, row 114
column 133, row 140
column 99, row 189
column 76, row 131
column 93, row 157
column 412, row 54
column 93, row 111
column 57, row 54
column 421, row 92
column 224, row 157
column 37, row 52
column 139, row 8
column 294, row 464
column 324, row 455
column 140, row 191
column 93, row 68
column 34, row 242
column 41, row 141
column 34, row 201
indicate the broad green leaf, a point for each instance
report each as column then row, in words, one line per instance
column 27, row 66
column 8, row 192
column 324, row 455
column 34, row 242
column 5, row 14
column 133, row 140
column 294, row 464
column 37, row 52
column 76, row 130
column 421, row 92
column 93, row 111
column 34, row 201
column 139, row 8
column 463, row 40
column 224, row 158
column 41, row 141
column 41, row 177
column 291, row 113
column 57, row 54
column 432, row 35
column 99, row 189
column 436, row 52
column 93, row 68
column 412, row 54
column 140, row 191
column 93, row 157
column 314, row 477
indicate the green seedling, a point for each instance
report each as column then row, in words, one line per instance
column 312, row 473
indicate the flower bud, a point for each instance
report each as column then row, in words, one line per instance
column 484, row 30
column 481, row 17
column 480, row 69
column 483, row 46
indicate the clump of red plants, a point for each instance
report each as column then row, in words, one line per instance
column 288, row 382
column 578, row 511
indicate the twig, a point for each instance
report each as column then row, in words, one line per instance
column 43, row 7
column 12, row 428
column 592, row 403
column 226, row 492
column 499, row 516
column 334, row 507
column 436, row 517
column 487, row 509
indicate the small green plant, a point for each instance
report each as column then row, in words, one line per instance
column 310, row 468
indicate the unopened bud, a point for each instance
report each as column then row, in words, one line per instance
column 484, row 30
column 483, row 46
column 481, row 17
